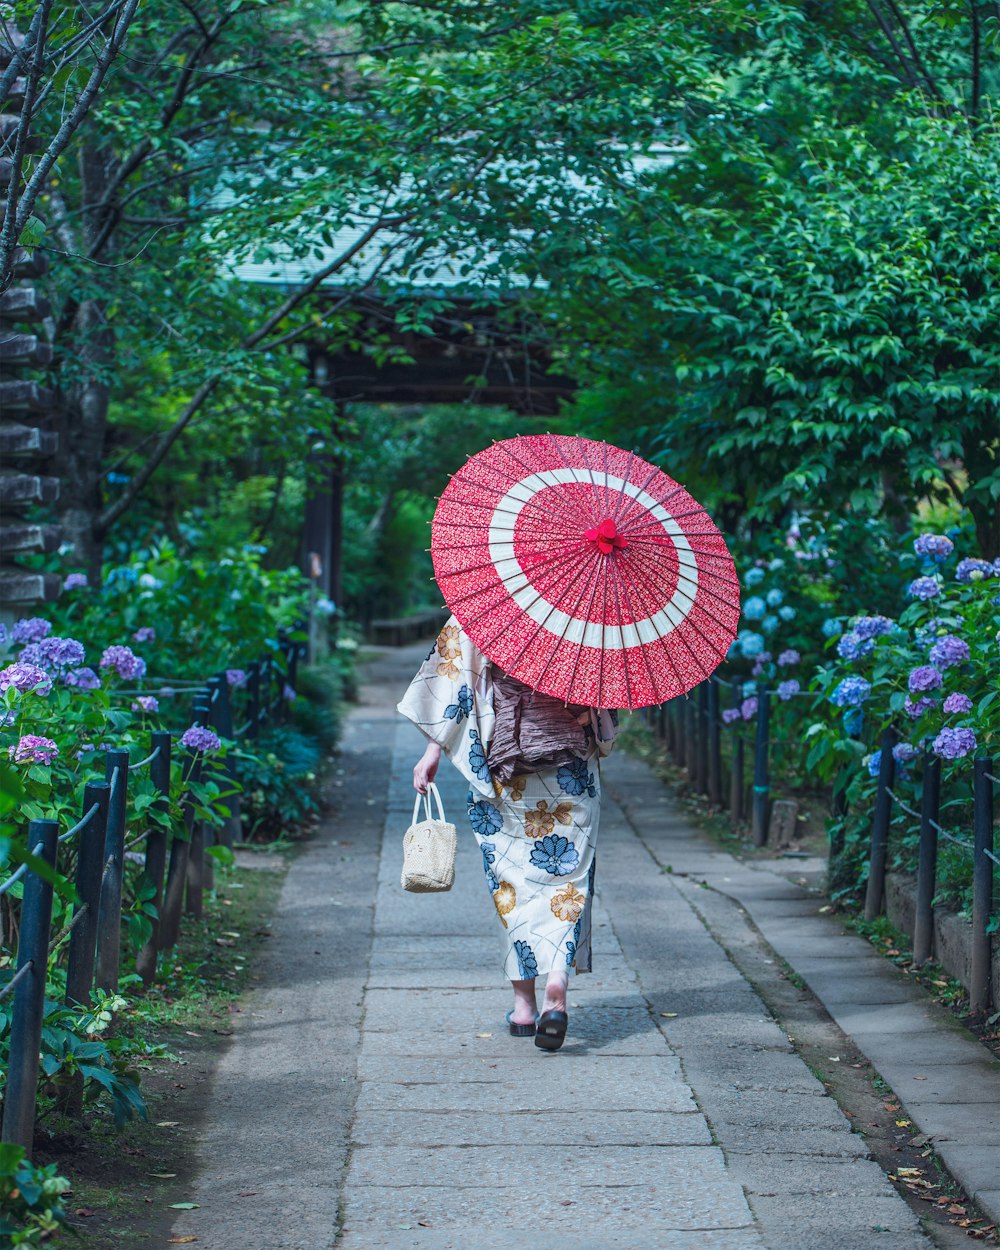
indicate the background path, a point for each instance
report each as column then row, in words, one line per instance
column 373, row 1098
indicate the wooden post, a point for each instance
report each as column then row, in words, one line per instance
column 982, row 884
column 196, row 864
column 761, row 769
column 875, row 892
column 222, row 720
column 29, row 993
column 109, row 914
column 701, row 759
column 180, row 849
column 690, row 737
column 89, row 868
column 156, row 852
column 736, row 774
column 714, row 744
column 930, row 806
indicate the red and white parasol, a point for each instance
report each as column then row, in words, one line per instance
column 585, row 572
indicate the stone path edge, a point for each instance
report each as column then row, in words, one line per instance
column 818, row 949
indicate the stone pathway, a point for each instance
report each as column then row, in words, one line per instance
column 374, row 1100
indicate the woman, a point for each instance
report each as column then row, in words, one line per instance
column 534, row 806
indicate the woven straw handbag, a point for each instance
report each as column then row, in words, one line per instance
column 429, row 847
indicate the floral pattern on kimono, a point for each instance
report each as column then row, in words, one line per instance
column 537, row 832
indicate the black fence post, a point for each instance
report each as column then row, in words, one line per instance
column 253, row 699
column 89, row 868
column 180, row 849
column 930, row 808
column 714, row 745
column 875, row 892
column 690, row 736
column 982, row 884
column 29, row 993
column 222, row 719
column 156, row 852
column 701, row 760
column 109, row 914
column 197, row 868
column 736, row 783
column 761, row 768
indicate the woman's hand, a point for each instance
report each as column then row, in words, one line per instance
column 425, row 769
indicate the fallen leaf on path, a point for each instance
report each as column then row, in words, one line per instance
column 484, row 1035
column 566, row 1202
column 247, row 1193
column 224, row 942
column 424, row 1224
column 84, row 1212
column 180, row 1241
column 184, row 1206
column 669, row 1015
column 909, row 1171
column 955, row 1209
column 920, row 1078
column 162, row 1176
column 167, row 1123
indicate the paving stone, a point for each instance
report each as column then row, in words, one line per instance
column 513, row 1238
column 842, row 1223
column 915, row 1081
column 585, row 1127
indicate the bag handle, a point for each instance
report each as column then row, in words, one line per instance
column 432, row 792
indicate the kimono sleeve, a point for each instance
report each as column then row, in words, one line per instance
column 450, row 700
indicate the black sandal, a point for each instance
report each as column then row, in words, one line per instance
column 550, row 1029
column 519, row 1030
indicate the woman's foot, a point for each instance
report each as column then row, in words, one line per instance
column 550, row 1028
column 525, row 1009
column 555, row 992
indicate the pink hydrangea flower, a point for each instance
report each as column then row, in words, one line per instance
column 32, row 749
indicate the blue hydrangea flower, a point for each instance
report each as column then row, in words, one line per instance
column 477, row 756
column 871, row 626
column 904, row 752
column 775, row 564
column 748, row 688
column 576, row 778
column 460, row 710
column 753, row 577
column 971, row 570
column 751, row 643
column 775, row 597
column 770, row 623
column 852, row 646
column 924, row 588
column 489, row 859
column 485, row 818
column 755, row 608
column 526, row 961
column 788, row 658
column 832, row 627
column 851, row 692
column 874, row 763
column 787, row 689
column 934, row 547
column 787, row 613
column 948, row 650
column 853, row 722
column 556, row 854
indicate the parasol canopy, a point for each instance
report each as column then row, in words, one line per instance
column 584, row 571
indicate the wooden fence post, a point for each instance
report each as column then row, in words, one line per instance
column 109, row 914
column 29, row 993
column 982, row 884
column 89, row 869
column 930, row 806
column 875, row 891
column 701, row 759
column 180, row 849
column 690, row 737
column 761, row 769
column 156, row 852
column 222, row 720
column 196, row 865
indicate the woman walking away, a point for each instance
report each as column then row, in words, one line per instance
column 534, row 804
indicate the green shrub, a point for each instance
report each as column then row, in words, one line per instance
column 31, row 1205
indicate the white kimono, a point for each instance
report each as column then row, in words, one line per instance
column 537, row 832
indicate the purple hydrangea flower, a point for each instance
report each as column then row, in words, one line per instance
column 923, row 678
column 915, row 708
column 236, row 677
column 904, row 752
column 54, row 654
column 146, row 634
column 786, row 689
column 949, row 650
column 76, row 581
column 851, row 692
column 125, row 662
column 871, row 626
column 197, row 738
column 748, row 708
column 288, row 693
column 82, row 679
column 852, row 646
column 923, row 588
column 25, row 677
column 853, row 721
column 33, row 750
column 755, row 608
column 934, row 547
column 956, row 704
column 952, row 744
column 787, row 658
column 30, row 629
column 972, row 570
column 145, row 703
column 730, row 714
